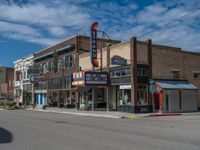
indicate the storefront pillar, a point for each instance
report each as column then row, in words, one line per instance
column 160, row 101
column 133, row 53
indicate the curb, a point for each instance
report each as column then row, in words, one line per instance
column 78, row 114
column 165, row 115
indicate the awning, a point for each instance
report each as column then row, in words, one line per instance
column 170, row 84
column 83, row 89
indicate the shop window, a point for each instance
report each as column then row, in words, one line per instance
column 176, row 74
column 124, row 97
column 142, row 95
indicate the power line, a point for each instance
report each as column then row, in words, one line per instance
column 177, row 19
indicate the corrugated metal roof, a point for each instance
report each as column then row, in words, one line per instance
column 169, row 84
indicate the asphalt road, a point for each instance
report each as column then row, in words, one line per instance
column 26, row 130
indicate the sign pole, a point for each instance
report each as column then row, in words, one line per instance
column 33, row 95
column 153, row 104
column 107, row 98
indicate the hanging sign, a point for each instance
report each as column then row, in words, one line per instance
column 93, row 45
column 78, row 79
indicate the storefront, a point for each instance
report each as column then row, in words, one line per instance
column 175, row 96
column 91, row 89
column 41, row 97
column 121, row 89
column 120, row 78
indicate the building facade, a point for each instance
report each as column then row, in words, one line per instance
column 133, row 65
column 6, row 82
column 22, row 84
column 57, row 64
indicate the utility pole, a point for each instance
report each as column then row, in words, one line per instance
column 33, row 95
column 93, row 93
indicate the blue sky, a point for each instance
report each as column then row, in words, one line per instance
column 27, row 26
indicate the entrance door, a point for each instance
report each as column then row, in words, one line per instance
column 167, row 102
column 120, row 96
column 157, row 101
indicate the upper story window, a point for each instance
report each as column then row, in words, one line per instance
column 121, row 72
column 24, row 75
column 142, row 71
column 60, row 63
column 44, row 68
column 196, row 75
column 69, row 61
column 50, row 65
column 176, row 74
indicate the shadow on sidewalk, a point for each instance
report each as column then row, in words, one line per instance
column 5, row 136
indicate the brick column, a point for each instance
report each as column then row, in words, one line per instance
column 133, row 53
column 149, row 48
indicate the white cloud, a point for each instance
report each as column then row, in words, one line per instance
column 45, row 22
column 58, row 31
column 183, row 33
column 40, row 14
column 6, row 27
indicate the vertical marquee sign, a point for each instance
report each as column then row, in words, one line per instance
column 93, row 45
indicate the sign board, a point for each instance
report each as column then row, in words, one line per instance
column 118, row 60
column 96, row 78
column 93, row 45
column 78, row 78
column 124, row 87
column 152, row 88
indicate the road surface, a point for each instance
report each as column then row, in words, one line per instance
column 28, row 130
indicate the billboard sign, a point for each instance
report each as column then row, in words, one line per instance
column 93, row 44
column 96, row 78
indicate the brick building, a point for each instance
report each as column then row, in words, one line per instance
column 6, row 82
column 57, row 63
column 176, row 74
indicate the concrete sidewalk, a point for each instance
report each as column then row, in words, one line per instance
column 105, row 114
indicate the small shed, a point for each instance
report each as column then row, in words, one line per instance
column 176, row 96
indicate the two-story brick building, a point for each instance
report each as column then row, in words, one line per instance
column 57, row 63
column 6, row 82
column 132, row 65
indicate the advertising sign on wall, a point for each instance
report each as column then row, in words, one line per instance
column 118, row 60
column 93, row 45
